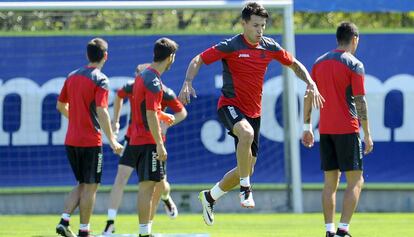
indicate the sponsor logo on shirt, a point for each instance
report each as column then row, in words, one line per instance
column 244, row 55
column 233, row 112
column 154, row 161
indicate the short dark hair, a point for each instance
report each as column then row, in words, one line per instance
column 346, row 32
column 96, row 50
column 163, row 48
column 254, row 8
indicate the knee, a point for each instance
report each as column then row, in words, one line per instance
column 246, row 135
column 330, row 187
column 89, row 190
column 122, row 176
column 160, row 186
column 357, row 184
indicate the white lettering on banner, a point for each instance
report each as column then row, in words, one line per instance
column 32, row 95
column 211, row 132
column 377, row 91
column 4, row 137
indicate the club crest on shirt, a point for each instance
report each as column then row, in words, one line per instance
column 156, row 82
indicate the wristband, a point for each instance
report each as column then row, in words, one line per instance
column 307, row 127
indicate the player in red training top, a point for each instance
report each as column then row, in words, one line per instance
column 126, row 166
column 245, row 58
column 147, row 144
column 340, row 78
column 84, row 101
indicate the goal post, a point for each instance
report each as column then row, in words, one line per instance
column 135, row 5
column 290, row 115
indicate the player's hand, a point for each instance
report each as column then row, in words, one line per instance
column 318, row 99
column 166, row 118
column 116, row 147
column 369, row 145
column 308, row 139
column 164, row 128
column 186, row 91
column 161, row 152
column 115, row 128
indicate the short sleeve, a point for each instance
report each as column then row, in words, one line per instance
column 122, row 94
column 126, row 90
column 101, row 97
column 357, row 80
column 278, row 53
column 175, row 105
column 217, row 52
column 63, row 96
column 284, row 57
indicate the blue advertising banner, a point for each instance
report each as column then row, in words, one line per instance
column 354, row 5
column 32, row 132
column 318, row 5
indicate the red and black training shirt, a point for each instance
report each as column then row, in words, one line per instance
column 85, row 89
column 169, row 100
column 244, row 67
column 339, row 76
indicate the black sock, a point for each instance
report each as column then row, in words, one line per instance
column 209, row 197
column 244, row 189
column 83, row 233
column 64, row 222
column 167, row 203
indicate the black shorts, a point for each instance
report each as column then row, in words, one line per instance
column 341, row 151
column 144, row 159
column 230, row 115
column 86, row 163
column 124, row 160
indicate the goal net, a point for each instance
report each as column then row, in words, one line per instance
column 42, row 42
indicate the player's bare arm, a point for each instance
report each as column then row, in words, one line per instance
column 187, row 89
column 63, row 108
column 180, row 116
column 307, row 136
column 118, row 102
column 154, row 127
column 105, row 122
column 362, row 111
column 362, row 108
column 303, row 74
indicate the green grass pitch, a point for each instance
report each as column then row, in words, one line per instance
column 227, row 225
